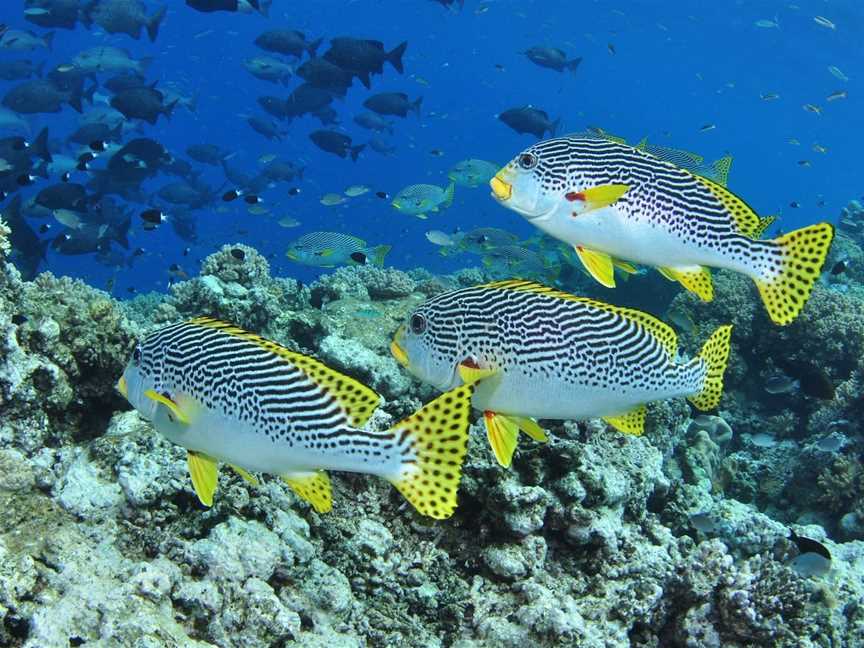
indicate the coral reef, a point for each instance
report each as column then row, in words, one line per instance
column 592, row 539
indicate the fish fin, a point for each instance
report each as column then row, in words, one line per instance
column 598, row 264
column 378, row 254
column 170, row 404
column 625, row 267
column 503, row 435
column 448, row 195
column 632, row 422
column 154, row 21
column 696, row 279
column 313, row 487
column 248, row 477
column 764, row 223
column 802, row 255
column 667, row 273
column 204, row 474
column 434, row 440
column 599, row 197
column 395, row 56
column 720, row 169
column 470, row 375
column 530, row 427
column 746, row 220
column 357, row 400
column 715, row 355
column 423, row 216
column 664, row 333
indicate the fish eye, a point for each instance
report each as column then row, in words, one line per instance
column 136, row 355
column 527, row 161
column 418, row 323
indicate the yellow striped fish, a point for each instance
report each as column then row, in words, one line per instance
column 612, row 201
column 539, row 352
column 230, row 396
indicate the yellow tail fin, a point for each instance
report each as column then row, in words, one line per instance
column 436, row 440
column 803, row 254
column 715, row 354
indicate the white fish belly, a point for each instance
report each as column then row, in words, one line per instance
column 607, row 230
column 236, row 443
column 561, row 400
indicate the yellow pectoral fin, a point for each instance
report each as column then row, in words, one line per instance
column 632, row 422
column 247, row 476
column 204, row 474
column 603, row 196
column 312, row 487
column 470, row 375
column 598, row 264
column 503, row 435
column 696, row 279
column 531, row 428
column 170, row 404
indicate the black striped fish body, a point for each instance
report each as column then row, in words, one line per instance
column 230, row 396
column 547, row 354
column 613, row 201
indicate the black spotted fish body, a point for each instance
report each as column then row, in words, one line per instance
column 613, row 201
column 230, row 396
column 543, row 353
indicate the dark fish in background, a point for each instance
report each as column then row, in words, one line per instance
column 808, row 545
column 380, row 145
column 142, row 103
column 327, row 115
column 839, row 267
column 363, row 57
column 185, row 225
column 28, row 251
column 125, row 81
column 451, row 4
column 64, row 195
column 18, row 40
column 52, row 13
column 321, row 73
column 20, row 70
column 180, row 167
column 40, row 96
column 97, row 131
column 183, row 193
column 552, row 58
column 274, row 106
column 288, row 42
column 268, row 68
column 124, row 17
column 242, row 6
column 306, row 98
column 373, row 122
column 22, row 160
column 529, row 120
column 336, row 143
column 393, row 103
column 207, row 154
column 265, row 127
column 282, row 171
column 137, row 160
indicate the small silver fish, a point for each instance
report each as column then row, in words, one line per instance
column 780, row 384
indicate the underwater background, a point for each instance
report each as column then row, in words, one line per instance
column 740, row 527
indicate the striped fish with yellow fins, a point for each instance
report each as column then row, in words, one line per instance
column 539, row 352
column 612, row 201
column 227, row 395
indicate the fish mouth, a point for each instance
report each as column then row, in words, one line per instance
column 122, row 387
column 501, row 190
column 396, row 348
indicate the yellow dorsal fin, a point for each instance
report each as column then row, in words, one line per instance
column 664, row 333
column 435, row 440
column 744, row 218
column 170, row 404
column 204, row 474
column 721, row 169
column 632, row 422
column 470, row 375
column 764, row 223
column 357, row 400
column 313, row 487
column 248, row 477
column 598, row 264
column 696, row 279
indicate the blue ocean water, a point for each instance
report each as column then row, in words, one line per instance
column 661, row 70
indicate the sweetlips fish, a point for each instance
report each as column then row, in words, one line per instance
column 230, row 396
column 329, row 249
column 539, row 352
column 612, row 201
column 417, row 199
